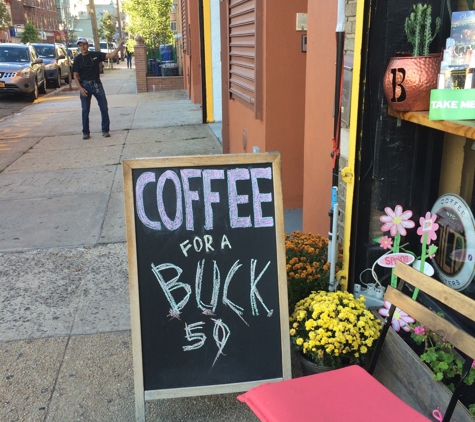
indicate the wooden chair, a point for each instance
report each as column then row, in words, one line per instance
column 351, row 394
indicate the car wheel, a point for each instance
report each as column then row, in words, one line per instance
column 57, row 82
column 34, row 94
column 42, row 89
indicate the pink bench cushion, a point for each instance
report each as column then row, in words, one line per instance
column 344, row 395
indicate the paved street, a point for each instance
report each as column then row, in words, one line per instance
column 65, row 348
column 12, row 104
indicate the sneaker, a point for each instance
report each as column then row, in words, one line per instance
column 85, row 136
column 106, row 134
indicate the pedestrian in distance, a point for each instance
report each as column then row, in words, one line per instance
column 128, row 55
column 86, row 75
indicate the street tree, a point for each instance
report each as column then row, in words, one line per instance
column 70, row 25
column 30, row 34
column 5, row 17
column 107, row 29
column 150, row 19
column 107, row 26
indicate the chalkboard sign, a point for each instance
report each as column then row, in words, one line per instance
column 207, row 279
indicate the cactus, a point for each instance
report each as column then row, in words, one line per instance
column 418, row 27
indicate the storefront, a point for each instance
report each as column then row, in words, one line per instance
column 405, row 159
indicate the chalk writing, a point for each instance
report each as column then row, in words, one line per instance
column 204, row 198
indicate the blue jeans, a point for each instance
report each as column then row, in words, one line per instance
column 97, row 90
column 129, row 61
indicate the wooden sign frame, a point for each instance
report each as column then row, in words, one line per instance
column 192, row 162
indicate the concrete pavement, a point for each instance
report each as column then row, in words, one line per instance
column 65, row 348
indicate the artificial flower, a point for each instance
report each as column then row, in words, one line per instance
column 385, row 242
column 429, row 226
column 401, row 319
column 396, row 221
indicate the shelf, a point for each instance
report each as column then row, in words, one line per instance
column 464, row 128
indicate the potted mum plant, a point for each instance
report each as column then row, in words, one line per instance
column 308, row 268
column 330, row 330
column 408, row 80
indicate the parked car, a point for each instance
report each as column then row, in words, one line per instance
column 72, row 53
column 21, row 70
column 109, row 48
column 58, row 66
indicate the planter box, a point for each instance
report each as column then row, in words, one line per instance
column 402, row 372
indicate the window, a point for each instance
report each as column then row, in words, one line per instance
column 173, row 26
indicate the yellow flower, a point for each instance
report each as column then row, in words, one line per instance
column 338, row 328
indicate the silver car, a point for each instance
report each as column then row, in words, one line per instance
column 21, row 70
column 58, row 66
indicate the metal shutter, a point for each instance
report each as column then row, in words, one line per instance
column 184, row 25
column 242, row 49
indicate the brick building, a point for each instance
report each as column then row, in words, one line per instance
column 41, row 13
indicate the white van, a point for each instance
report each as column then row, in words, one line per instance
column 109, row 48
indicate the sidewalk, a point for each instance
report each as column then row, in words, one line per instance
column 65, row 348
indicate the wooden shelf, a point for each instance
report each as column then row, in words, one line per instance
column 464, row 128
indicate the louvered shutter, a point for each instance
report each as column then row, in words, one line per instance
column 184, row 26
column 242, row 50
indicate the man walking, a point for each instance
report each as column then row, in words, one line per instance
column 86, row 75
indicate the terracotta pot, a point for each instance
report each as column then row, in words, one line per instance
column 408, row 81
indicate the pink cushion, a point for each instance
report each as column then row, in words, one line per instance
column 344, row 395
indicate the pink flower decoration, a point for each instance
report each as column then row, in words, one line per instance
column 420, row 330
column 386, row 242
column 396, row 221
column 429, row 226
column 400, row 318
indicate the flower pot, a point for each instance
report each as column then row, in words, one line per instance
column 408, row 81
column 311, row 368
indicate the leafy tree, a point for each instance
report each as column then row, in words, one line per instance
column 107, row 28
column 130, row 44
column 150, row 19
column 30, row 34
column 4, row 17
column 70, row 25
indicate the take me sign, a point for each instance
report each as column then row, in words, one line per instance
column 208, row 289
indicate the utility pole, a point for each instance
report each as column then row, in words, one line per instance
column 95, row 31
column 119, row 21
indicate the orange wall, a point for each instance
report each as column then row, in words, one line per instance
column 193, row 60
column 285, row 87
column 282, row 125
column 321, row 46
column 241, row 119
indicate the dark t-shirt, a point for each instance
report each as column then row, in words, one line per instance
column 88, row 65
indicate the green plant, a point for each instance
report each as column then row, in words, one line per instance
column 441, row 357
column 333, row 329
column 418, row 27
column 308, row 268
column 30, row 33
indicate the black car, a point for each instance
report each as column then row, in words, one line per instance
column 58, row 65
